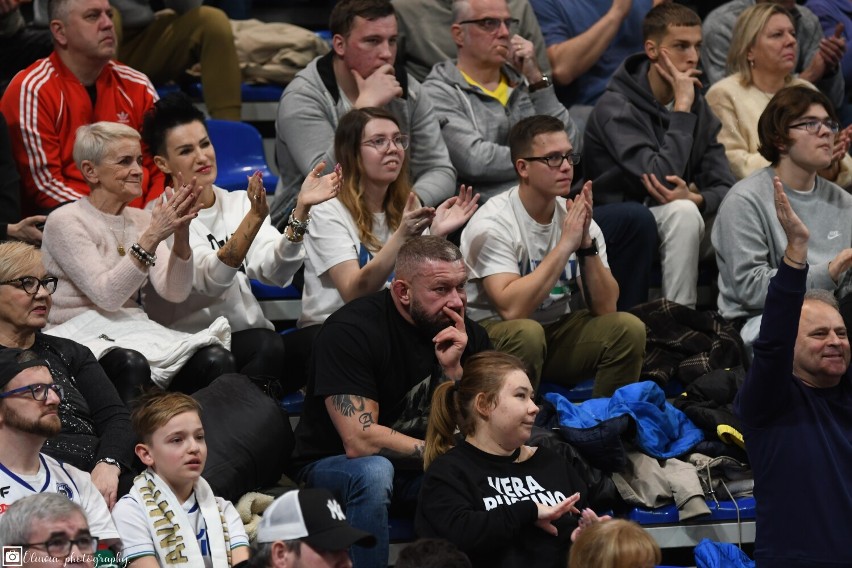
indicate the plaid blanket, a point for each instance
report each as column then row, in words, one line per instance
column 684, row 343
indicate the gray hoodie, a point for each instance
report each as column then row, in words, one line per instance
column 476, row 126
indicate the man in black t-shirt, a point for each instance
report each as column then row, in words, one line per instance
column 375, row 365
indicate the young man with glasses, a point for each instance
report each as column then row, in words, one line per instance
column 495, row 82
column 796, row 132
column 29, row 414
column 358, row 73
column 47, row 530
column 651, row 139
column 528, row 250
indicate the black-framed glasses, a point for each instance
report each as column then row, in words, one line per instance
column 39, row 391
column 382, row 143
column 556, row 160
column 491, row 25
column 60, row 546
column 812, row 126
column 30, row 284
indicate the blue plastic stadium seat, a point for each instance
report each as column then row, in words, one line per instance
column 723, row 511
column 293, row 403
column 401, row 530
column 250, row 93
column 239, row 153
column 583, row 390
column 263, row 291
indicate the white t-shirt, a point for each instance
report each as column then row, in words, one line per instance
column 333, row 238
column 501, row 237
column 57, row 477
column 218, row 289
column 131, row 519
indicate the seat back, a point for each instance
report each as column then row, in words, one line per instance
column 239, row 153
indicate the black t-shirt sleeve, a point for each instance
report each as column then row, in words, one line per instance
column 343, row 355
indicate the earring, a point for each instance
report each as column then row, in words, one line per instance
column 751, row 63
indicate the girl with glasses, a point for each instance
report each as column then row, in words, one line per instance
column 354, row 238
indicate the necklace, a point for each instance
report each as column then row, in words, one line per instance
column 119, row 244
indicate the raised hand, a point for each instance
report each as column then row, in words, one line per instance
column 318, row 188
column 256, row 195
column 796, row 231
column 181, row 207
column 574, row 224
column 454, row 212
column 547, row 514
column 415, row 218
column 683, row 83
column 522, row 57
column 377, row 90
column 585, row 198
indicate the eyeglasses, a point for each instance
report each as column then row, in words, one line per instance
column 30, row 284
column 382, row 144
column 812, row 126
column 60, row 546
column 556, row 160
column 38, row 391
column 491, row 25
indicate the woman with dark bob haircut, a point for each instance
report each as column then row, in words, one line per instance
column 797, row 135
column 232, row 241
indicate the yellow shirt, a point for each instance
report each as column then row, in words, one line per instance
column 501, row 93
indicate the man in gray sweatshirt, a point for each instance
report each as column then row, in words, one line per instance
column 796, row 132
column 357, row 73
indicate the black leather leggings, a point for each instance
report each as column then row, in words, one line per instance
column 130, row 372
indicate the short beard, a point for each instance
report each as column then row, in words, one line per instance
column 47, row 426
column 427, row 324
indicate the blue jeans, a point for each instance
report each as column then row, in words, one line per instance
column 364, row 486
column 630, row 232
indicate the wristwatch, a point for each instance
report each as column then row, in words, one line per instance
column 588, row 251
column 109, row 461
column 542, row 83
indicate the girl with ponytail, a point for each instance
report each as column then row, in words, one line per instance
column 503, row 503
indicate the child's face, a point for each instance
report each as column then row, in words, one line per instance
column 176, row 450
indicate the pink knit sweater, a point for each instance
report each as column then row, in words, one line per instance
column 80, row 247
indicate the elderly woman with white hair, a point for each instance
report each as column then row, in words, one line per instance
column 105, row 253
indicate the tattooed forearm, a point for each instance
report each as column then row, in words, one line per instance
column 366, row 420
column 347, row 404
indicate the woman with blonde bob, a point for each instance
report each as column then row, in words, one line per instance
column 761, row 61
column 614, row 544
column 503, row 503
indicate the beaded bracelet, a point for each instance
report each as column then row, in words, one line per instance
column 143, row 255
column 299, row 227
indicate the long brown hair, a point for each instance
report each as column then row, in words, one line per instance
column 454, row 403
column 347, row 149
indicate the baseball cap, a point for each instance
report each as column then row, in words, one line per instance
column 314, row 516
column 10, row 365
